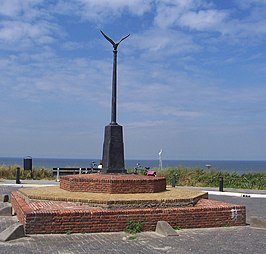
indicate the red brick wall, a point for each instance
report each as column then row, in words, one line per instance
column 206, row 213
column 113, row 183
column 20, row 207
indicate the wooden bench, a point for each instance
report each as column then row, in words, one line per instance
column 72, row 171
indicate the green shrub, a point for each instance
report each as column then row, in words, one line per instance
column 134, row 227
column 9, row 172
column 199, row 177
column 185, row 176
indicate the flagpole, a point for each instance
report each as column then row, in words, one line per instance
column 160, row 159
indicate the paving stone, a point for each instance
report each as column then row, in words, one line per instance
column 241, row 240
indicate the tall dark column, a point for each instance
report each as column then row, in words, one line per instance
column 113, row 146
column 114, row 89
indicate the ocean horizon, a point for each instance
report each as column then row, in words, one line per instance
column 238, row 166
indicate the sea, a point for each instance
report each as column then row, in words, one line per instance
column 238, row 166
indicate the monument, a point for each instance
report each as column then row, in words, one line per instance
column 113, row 146
column 108, row 201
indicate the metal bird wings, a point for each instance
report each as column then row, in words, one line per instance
column 115, row 45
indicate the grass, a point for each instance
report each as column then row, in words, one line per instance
column 132, row 237
column 197, row 177
column 134, row 227
column 56, row 193
column 9, row 172
column 68, row 232
column 200, row 177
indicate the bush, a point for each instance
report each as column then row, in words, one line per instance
column 199, row 177
column 133, row 227
column 9, row 172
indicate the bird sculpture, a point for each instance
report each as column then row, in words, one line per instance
column 115, row 45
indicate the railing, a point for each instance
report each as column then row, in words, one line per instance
column 72, row 171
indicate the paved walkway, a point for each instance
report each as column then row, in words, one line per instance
column 28, row 183
column 241, row 240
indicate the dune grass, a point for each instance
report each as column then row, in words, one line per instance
column 9, row 172
column 199, row 177
column 185, row 176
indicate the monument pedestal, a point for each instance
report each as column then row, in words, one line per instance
column 113, row 150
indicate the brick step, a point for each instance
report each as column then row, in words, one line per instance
column 46, row 217
column 113, row 183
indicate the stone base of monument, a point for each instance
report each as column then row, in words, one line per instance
column 57, row 210
column 113, row 183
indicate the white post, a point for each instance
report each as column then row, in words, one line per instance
column 57, row 175
column 80, row 171
column 160, row 159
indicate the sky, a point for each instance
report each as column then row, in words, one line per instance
column 191, row 78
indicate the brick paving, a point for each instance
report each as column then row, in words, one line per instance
column 254, row 206
column 241, row 240
column 3, row 204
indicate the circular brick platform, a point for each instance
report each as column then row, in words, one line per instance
column 113, row 183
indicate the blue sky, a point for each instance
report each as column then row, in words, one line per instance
column 191, row 78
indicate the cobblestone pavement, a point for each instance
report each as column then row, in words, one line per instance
column 254, row 206
column 241, row 240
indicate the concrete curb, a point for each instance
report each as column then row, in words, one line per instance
column 13, row 232
column 25, row 185
column 237, row 194
column 257, row 222
column 163, row 228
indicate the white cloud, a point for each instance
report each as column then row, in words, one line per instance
column 104, row 10
column 137, row 106
column 145, row 124
column 156, row 43
column 35, row 77
column 204, row 16
column 173, row 111
column 168, row 12
column 72, row 45
column 245, row 4
column 26, row 24
column 203, row 19
column 30, row 22
column 137, row 7
column 25, row 33
column 26, row 9
column 156, row 108
column 10, row 8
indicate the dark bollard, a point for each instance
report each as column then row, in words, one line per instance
column 221, row 183
column 173, row 180
column 18, row 176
